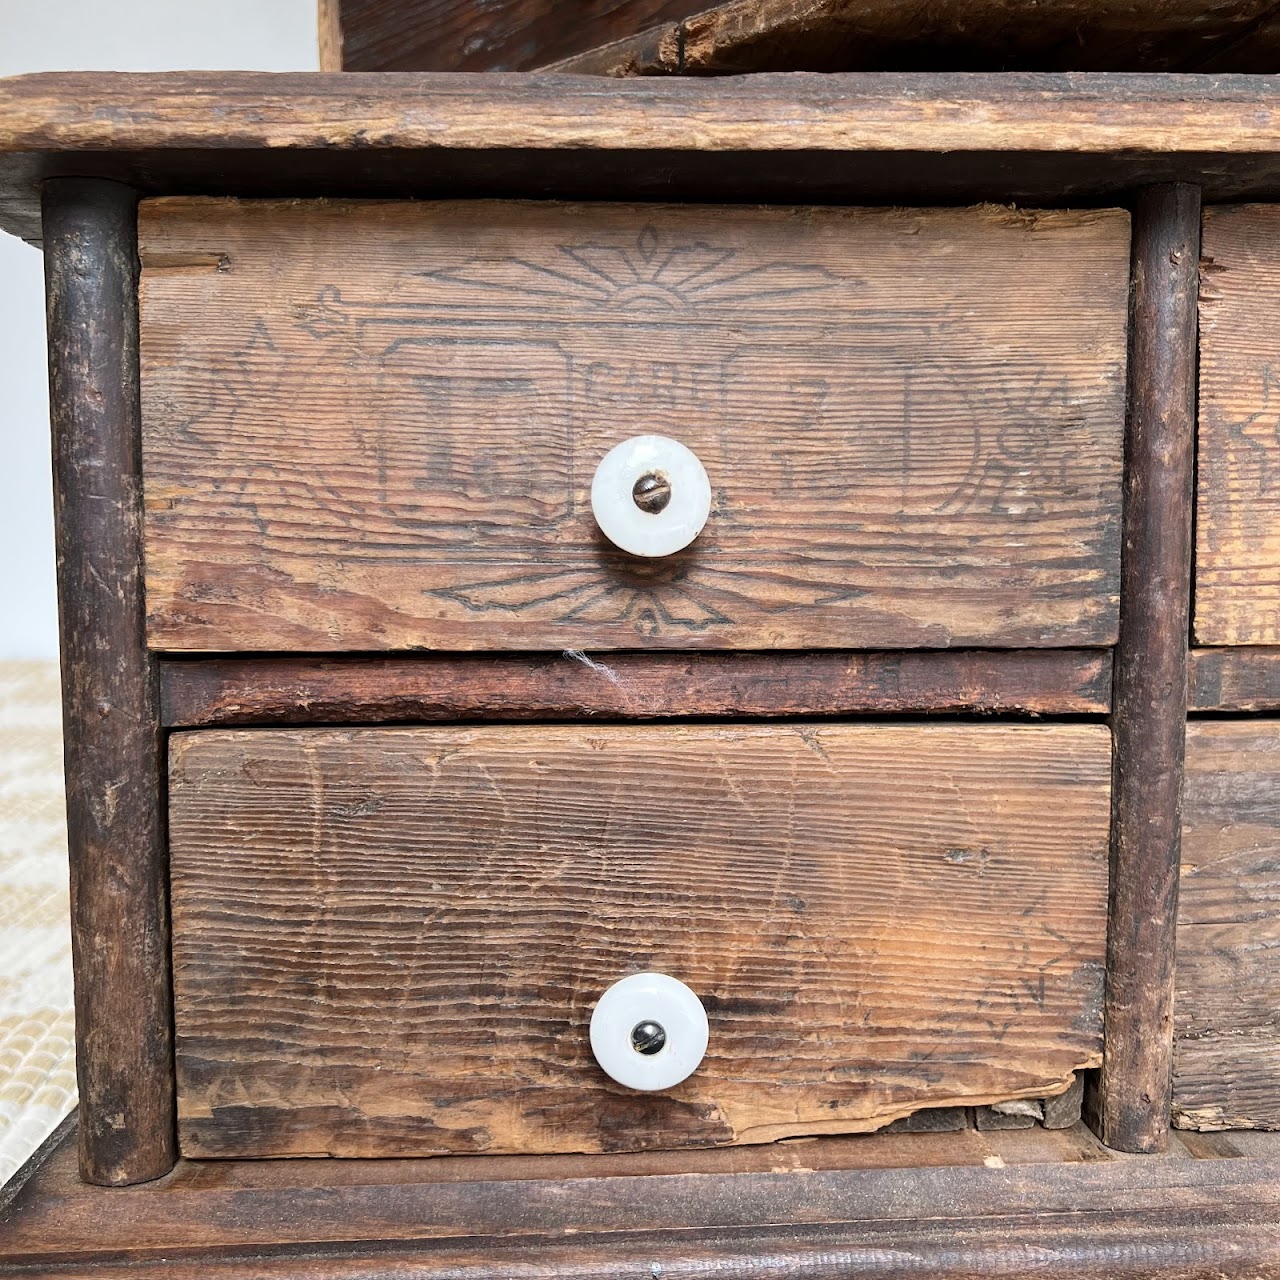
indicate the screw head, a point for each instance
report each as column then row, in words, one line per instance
column 651, row 492
column 648, row 1037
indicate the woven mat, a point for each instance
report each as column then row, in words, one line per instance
column 37, row 1035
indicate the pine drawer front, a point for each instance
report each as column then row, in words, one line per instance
column 1227, row 1004
column 375, row 425
column 390, row 941
column 1237, row 592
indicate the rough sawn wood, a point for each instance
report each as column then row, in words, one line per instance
column 1227, row 1007
column 374, row 426
column 1237, row 597
column 389, row 942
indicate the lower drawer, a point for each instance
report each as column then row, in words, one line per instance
column 1227, row 1000
column 390, row 942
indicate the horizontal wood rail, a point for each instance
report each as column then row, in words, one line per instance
column 301, row 690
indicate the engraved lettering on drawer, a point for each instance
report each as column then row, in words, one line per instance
column 375, row 425
column 390, row 942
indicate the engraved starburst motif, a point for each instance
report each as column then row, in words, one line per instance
column 647, row 272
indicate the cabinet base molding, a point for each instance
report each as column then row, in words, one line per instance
column 1020, row 1202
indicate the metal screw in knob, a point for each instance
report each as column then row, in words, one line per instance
column 651, row 492
column 648, row 1037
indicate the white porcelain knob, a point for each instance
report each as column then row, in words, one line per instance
column 649, row 1032
column 650, row 496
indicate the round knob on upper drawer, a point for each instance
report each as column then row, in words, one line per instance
column 649, row 1032
column 650, row 496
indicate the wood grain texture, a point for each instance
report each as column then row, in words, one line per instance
column 389, row 942
column 501, row 35
column 329, row 34
column 1227, row 1060
column 1058, row 1217
column 264, row 691
column 929, row 112
column 987, row 35
column 1235, row 680
column 1131, row 1107
column 374, row 426
column 1237, row 599
column 111, row 724
column 846, row 139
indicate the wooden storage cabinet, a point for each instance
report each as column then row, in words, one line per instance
column 390, row 941
column 383, row 764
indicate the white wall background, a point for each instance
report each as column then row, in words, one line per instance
column 94, row 35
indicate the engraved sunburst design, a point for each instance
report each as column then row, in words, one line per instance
column 644, row 274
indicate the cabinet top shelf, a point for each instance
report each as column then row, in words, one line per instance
column 858, row 137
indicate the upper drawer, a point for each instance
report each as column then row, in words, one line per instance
column 1237, row 595
column 375, row 425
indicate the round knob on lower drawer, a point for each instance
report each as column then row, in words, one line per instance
column 649, row 1032
column 650, row 496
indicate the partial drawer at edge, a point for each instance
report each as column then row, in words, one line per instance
column 375, row 425
column 1227, row 1002
column 389, row 942
column 1237, row 589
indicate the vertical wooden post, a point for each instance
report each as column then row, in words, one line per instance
column 115, row 828
column 1130, row 1108
column 329, row 23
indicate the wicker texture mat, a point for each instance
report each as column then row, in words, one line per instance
column 37, row 1038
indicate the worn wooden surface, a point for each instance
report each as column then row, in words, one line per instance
column 374, row 426
column 1235, row 680
column 1131, row 1108
column 501, row 35
column 888, row 35
column 111, row 721
column 1023, row 111
column 329, row 34
column 1238, row 491
column 569, row 686
column 847, row 139
column 1227, row 1060
column 389, row 941
column 1071, row 1212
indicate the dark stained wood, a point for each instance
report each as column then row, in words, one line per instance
column 111, row 723
column 266, row 691
column 500, row 35
column 1062, row 1218
column 389, row 942
column 1237, row 599
column 932, row 1120
column 974, row 35
column 860, row 138
column 1063, row 1110
column 385, row 438
column 1235, row 680
column 1131, row 1109
column 1227, row 1009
